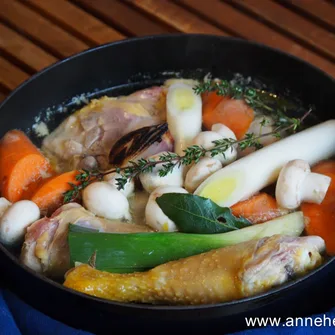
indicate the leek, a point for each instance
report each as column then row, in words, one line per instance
column 131, row 252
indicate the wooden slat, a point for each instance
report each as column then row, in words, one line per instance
column 24, row 50
column 77, row 20
column 28, row 22
column 10, row 75
column 125, row 18
column 177, row 17
column 322, row 10
column 292, row 23
column 246, row 27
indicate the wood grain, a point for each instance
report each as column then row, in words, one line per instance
column 293, row 24
column 127, row 19
column 36, row 33
column 77, row 21
column 24, row 50
column 10, row 75
column 246, row 27
column 322, row 10
column 41, row 30
column 177, row 17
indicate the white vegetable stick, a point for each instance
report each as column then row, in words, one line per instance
column 184, row 115
column 248, row 175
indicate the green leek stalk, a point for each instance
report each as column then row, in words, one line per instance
column 131, row 252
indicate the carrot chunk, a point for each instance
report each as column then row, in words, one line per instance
column 324, row 167
column 22, row 165
column 210, row 100
column 321, row 217
column 257, row 209
column 49, row 196
column 235, row 114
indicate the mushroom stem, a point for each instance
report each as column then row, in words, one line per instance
column 314, row 188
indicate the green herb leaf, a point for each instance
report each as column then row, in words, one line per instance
column 194, row 214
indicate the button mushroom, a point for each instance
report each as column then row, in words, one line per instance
column 200, row 171
column 206, row 138
column 4, row 204
column 103, row 199
column 296, row 184
column 151, row 180
column 154, row 216
column 262, row 124
column 223, row 130
column 129, row 187
column 15, row 220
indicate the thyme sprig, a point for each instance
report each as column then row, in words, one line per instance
column 84, row 178
column 168, row 161
column 253, row 97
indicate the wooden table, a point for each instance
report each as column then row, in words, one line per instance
column 37, row 33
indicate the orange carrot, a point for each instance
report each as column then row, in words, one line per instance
column 235, row 114
column 21, row 165
column 49, row 196
column 321, row 218
column 324, row 167
column 210, row 100
column 257, row 209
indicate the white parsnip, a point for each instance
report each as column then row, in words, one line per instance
column 248, row 175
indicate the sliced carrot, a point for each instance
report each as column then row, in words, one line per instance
column 324, row 167
column 321, row 217
column 210, row 100
column 235, row 114
column 257, row 209
column 49, row 196
column 21, row 165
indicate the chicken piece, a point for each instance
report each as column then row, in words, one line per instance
column 45, row 249
column 94, row 129
column 220, row 275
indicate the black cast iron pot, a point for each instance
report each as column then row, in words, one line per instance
column 120, row 68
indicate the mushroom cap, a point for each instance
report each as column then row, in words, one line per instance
column 16, row 219
column 104, row 200
column 206, row 138
column 223, row 130
column 4, row 204
column 151, row 180
column 154, row 216
column 262, row 124
column 129, row 187
column 290, row 182
column 200, row 171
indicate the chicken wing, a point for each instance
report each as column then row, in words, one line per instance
column 45, row 248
